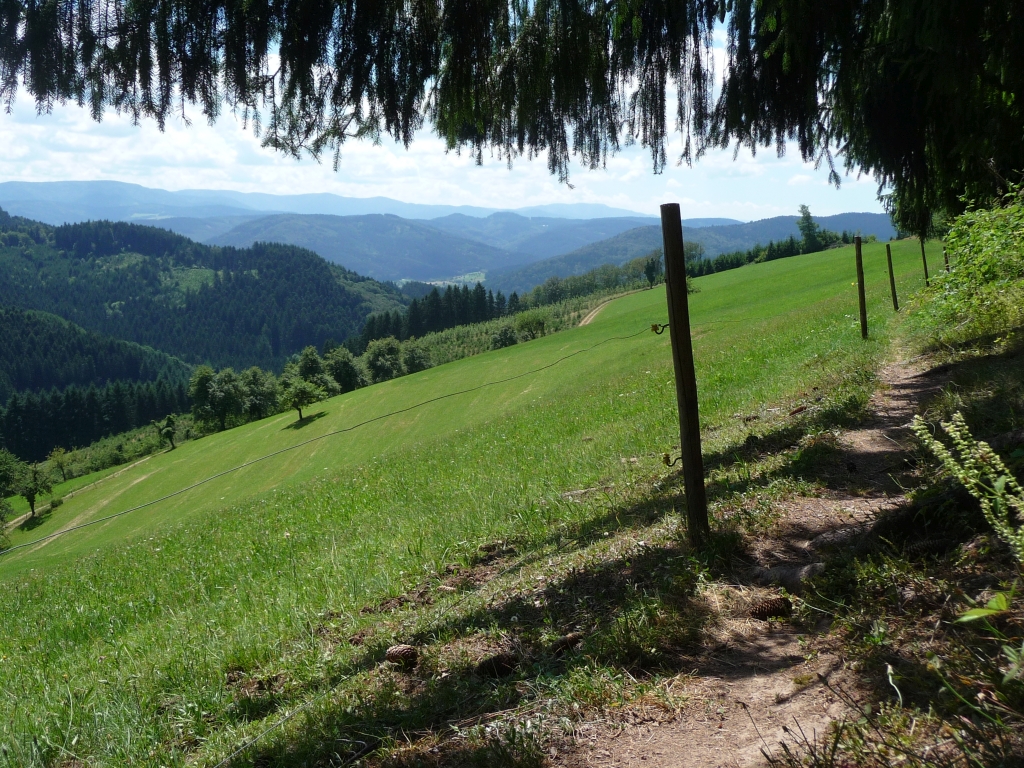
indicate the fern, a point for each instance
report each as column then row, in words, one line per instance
column 980, row 470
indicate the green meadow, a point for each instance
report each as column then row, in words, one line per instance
column 117, row 638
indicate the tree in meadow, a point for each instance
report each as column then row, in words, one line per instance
column 652, row 270
column 60, row 459
column 298, row 393
column 341, row 366
column 260, row 390
column 810, row 231
column 216, row 397
column 383, row 359
column 34, row 482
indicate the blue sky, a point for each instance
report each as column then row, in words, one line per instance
column 69, row 145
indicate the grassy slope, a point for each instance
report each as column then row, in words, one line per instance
column 160, row 603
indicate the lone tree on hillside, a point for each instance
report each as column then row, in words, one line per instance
column 809, row 230
column 652, row 269
column 34, row 482
column 925, row 95
column 298, row 393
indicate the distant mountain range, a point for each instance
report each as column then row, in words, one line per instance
column 61, row 202
column 543, row 237
column 715, row 240
column 393, row 240
column 383, row 247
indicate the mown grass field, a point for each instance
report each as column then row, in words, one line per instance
column 116, row 639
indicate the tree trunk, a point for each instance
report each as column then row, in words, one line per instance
column 300, row 413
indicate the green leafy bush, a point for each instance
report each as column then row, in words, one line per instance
column 984, row 291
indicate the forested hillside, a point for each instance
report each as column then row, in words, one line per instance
column 40, row 351
column 224, row 306
column 384, row 247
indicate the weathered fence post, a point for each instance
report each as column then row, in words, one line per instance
column 945, row 256
column 924, row 259
column 698, row 527
column 860, row 289
column 892, row 279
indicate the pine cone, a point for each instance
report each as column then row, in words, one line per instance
column 402, row 655
column 925, row 547
column 566, row 643
column 773, row 608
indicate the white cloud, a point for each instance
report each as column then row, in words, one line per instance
column 68, row 144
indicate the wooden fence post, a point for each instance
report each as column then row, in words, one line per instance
column 892, row 279
column 860, row 289
column 698, row 527
column 945, row 256
column 924, row 259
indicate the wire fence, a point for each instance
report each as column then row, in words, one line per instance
column 333, row 433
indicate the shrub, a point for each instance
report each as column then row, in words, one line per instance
column 984, row 291
column 505, row 337
column 56, row 501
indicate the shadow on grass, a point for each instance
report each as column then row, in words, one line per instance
column 33, row 522
column 637, row 614
column 305, row 421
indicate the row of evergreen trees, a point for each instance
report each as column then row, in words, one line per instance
column 435, row 312
column 32, row 424
column 813, row 238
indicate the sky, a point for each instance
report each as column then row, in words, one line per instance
column 69, row 145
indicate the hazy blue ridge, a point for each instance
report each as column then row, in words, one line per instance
column 715, row 240
column 384, row 247
column 61, row 202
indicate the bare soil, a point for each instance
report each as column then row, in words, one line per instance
column 762, row 678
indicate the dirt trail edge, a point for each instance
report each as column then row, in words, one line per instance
column 762, row 676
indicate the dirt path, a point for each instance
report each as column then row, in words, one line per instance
column 596, row 310
column 46, row 508
column 760, row 677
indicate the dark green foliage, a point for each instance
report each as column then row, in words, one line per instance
column 505, row 337
column 41, row 351
column 260, row 392
column 11, row 470
column 341, row 365
column 34, row 482
column 924, row 94
column 220, row 306
column 217, row 397
column 414, row 358
column 298, row 393
column 809, row 231
column 310, row 368
column 165, row 430
column 32, row 424
column 434, row 312
column 383, row 359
